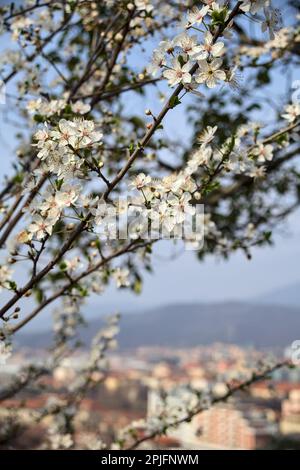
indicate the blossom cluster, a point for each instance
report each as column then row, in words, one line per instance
column 64, row 411
column 170, row 408
column 59, row 151
column 52, row 107
column 180, row 57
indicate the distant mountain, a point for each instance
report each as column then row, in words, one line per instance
column 190, row 325
column 288, row 295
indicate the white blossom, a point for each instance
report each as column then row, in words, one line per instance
column 79, row 107
column 271, row 22
column 196, row 15
column 5, row 276
column 253, row 6
column 140, row 181
column 263, row 152
column 5, row 351
column 157, row 62
column 178, row 74
column 188, row 44
column 207, row 135
column 210, row 73
column 121, row 276
column 144, row 5
column 209, row 48
column 40, row 227
column 292, row 111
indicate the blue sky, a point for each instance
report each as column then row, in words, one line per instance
column 184, row 279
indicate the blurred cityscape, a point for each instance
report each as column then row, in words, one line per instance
column 267, row 416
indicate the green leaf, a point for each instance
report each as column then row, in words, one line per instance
column 174, row 101
column 181, row 60
column 39, row 295
column 267, row 236
column 210, row 187
column 59, row 183
column 82, row 290
column 63, row 266
column 263, row 77
column 39, row 118
column 137, row 286
column 68, row 109
column 219, row 17
column 12, row 285
column 18, row 178
column 73, row 62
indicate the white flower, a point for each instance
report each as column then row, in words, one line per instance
column 121, row 277
column 40, row 227
column 61, row 441
column 178, row 74
column 170, row 183
column 86, row 133
column 166, row 46
column 23, row 237
column 234, row 77
column 157, row 62
column 79, row 133
column 140, row 181
column 52, row 107
column 79, row 107
column 105, row 214
column 202, row 156
column 196, row 15
column 50, row 206
column 5, row 276
column 263, row 152
column 34, row 105
column 250, row 231
column 42, row 135
column 272, row 19
column 292, row 111
column 46, row 149
column 67, row 195
column 66, row 133
column 20, row 24
column 46, row 108
column 5, row 351
column 188, row 44
column 253, row 6
column 181, row 208
column 73, row 264
column 162, row 217
column 258, row 172
column 143, row 5
column 208, row 48
column 210, row 73
column 207, row 135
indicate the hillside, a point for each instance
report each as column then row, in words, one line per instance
column 189, row 325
